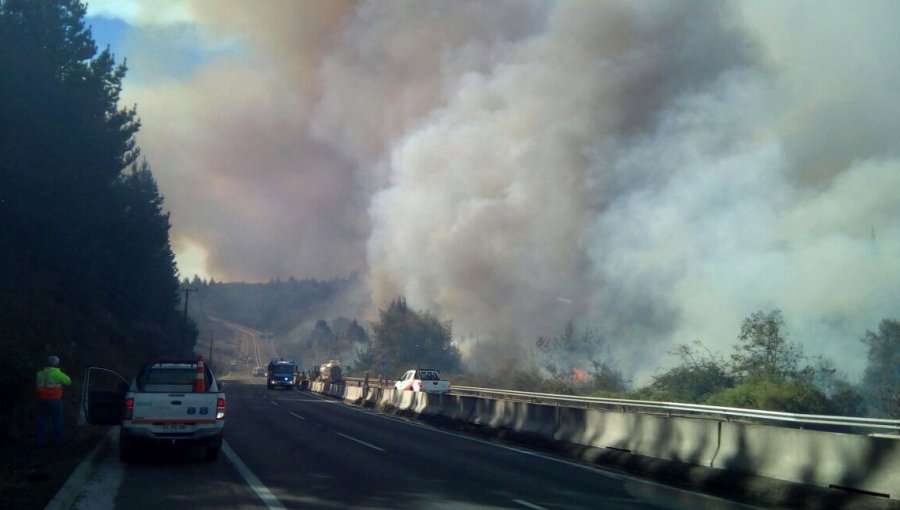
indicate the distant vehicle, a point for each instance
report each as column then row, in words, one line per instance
column 281, row 374
column 233, row 364
column 425, row 380
column 259, row 372
column 176, row 403
column 331, row 372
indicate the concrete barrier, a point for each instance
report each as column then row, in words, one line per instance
column 859, row 463
column 825, row 459
column 690, row 440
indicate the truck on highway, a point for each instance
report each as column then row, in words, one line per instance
column 282, row 374
column 331, row 372
column 172, row 402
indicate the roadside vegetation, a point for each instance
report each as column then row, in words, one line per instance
column 763, row 370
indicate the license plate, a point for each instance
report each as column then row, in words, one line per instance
column 174, row 427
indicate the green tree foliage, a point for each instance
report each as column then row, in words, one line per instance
column 279, row 306
column 339, row 339
column 63, row 138
column 139, row 257
column 773, row 395
column 700, row 374
column 403, row 338
column 882, row 376
column 763, row 349
column 766, row 371
column 769, row 371
column 65, row 143
column 321, row 335
column 353, row 333
column 83, row 241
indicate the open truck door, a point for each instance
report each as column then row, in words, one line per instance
column 103, row 397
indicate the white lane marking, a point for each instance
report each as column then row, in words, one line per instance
column 261, row 490
column 274, row 403
column 596, row 470
column 528, row 505
column 599, row 471
column 372, row 446
column 297, row 415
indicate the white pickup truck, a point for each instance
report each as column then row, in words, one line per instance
column 423, row 380
column 169, row 402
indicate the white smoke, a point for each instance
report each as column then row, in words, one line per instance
column 655, row 171
column 636, row 160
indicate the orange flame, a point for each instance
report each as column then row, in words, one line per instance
column 579, row 375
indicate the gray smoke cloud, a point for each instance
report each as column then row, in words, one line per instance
column 656, row 171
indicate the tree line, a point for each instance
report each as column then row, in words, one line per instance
column 86, row 267
column 768, row 371
column 765, row 370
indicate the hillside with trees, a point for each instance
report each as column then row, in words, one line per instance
column 311, row 320
column 273, row 306
column 86, row 269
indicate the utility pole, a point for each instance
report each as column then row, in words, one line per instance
column 184, row 331
column 211, row 340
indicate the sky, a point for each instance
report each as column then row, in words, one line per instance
column 655, row 171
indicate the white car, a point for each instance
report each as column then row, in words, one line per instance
column 426, row 380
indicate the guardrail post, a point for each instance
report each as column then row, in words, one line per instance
column 365, row 385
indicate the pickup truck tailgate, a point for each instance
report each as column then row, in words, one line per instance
column 435, row 386
column 174, row 407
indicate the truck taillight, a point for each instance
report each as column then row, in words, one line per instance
column 129, row 408
column 220, row 408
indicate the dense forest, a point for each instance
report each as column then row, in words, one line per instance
column 312, row 320
column 86, row 269
column 277, row 306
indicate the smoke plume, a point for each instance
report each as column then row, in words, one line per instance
column 655, row 171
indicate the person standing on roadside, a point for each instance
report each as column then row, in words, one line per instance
column 50, row 382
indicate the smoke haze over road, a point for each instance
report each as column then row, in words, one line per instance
column 654, row 170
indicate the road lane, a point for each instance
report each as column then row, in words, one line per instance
column 165, row 478
column 395, row 463
column 302, row 450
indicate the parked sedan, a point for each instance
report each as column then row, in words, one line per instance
column 259, row 372
column 426, row 380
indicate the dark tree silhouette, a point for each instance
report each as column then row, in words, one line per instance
column 86, row 269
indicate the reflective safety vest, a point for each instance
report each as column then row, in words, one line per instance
column 50, row 381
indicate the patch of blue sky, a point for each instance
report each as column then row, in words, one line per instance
column 107, row 31
column 161, row 52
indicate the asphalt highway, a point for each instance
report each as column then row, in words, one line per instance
column 291, row 449
column 314, row 452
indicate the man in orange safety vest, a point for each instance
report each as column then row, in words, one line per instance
column 50, row 382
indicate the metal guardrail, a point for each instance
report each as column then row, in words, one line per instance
column 676, row 408
column 737, row 414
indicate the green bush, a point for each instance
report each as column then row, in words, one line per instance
column 773, row 395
